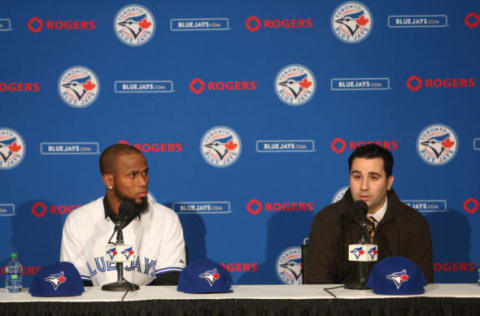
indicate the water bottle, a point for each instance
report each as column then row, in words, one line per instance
column 13, row 273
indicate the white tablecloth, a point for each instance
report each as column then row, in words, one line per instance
column 295, row 292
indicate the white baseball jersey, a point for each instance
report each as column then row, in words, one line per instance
column 156, row 239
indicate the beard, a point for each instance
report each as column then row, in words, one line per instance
column 140, row 208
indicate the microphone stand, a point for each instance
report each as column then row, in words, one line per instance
column 121, row 284
column 359, row 282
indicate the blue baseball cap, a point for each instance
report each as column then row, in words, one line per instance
column 205, row 276
column 396, row 276
column 59, row 279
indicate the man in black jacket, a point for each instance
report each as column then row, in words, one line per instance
column 399, row 229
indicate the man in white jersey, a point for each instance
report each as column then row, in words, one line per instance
column 154, row 230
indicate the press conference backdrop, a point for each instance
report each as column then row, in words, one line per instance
column 247, row 112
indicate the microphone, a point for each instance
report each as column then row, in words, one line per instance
column 126, row 211
column 121, row 252
column 362, row 253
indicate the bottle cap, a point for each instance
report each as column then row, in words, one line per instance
column 13, row 255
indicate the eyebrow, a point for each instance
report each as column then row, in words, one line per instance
column 370, row 173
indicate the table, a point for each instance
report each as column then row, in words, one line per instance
column 439, row 299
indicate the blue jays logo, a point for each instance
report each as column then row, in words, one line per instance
column 351, row 22
column 78, row 86
column 398, row 278
column 211, row 276
column 373, row 252
column 12, row 148
column 339, row 194
column 437, row 144
column 112, row 252
column 295, row 85
column 357, row 252
column 56, row 279
column 220, row 146
column 289, row 266
column 128, row 252
column 134, row 25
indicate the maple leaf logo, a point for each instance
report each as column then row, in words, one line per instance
column 404, row 277
column 89, row 85
column 144, row 24
column 361, row 252
column 231, row 145
column 362, row 21
column 305, row 83
column 14, row 147
column 447, row 143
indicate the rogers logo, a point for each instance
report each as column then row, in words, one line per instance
column 339, row 145
column 36, row 25
column 40, row 209
column 255, row 207
column 471, row 205
column 19, row 86
column 454, row 266
column 197, row 85
column 253, row 23
column 472, row 20
column 415, row 83
column 240, row 267
column 155, row 147
column 26, row 270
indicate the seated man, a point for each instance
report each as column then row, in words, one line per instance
column 154, row 230
column 399, row 229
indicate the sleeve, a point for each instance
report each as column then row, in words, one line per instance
column 71, row 248
column 321, row 261
column 171, row 253
column 419, row 248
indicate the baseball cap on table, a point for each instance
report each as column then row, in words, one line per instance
column 396, row 276
column 204, row 276
column 59, row 279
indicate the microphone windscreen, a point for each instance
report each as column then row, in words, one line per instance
column 125, row 211
column 360, row 208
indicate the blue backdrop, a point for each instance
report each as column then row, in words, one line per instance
column 246, row 111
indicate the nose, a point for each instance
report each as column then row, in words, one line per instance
column 364, row 185
column 143, row 180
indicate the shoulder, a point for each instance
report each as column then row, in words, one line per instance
column 407, row 213
column 159, row 211
column 330, row 213
column 87, row 212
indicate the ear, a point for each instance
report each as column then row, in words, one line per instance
column 108, row 180
column 390, row 182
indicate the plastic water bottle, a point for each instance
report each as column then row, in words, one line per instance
column 13, row 272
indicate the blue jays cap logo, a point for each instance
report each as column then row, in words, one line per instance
column 112, row 252
column 220, row 146
column 289, row 266
column 56, row 279
column 373, row 252
column 357, row 252
column 134, row 25
column 211, row 276
column 12, row 148
column 351, row 22
column 437, row 144
column 398, row 278
column 78, row 86
column 127, row 252
column 295, row 85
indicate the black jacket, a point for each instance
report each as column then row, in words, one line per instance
column 403, row 232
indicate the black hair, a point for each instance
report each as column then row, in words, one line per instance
column 370, row 151
column 111, row 153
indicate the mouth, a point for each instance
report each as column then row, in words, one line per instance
column 141, row 195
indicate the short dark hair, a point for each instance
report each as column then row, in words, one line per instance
column 370, row 151
column 111, row 153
